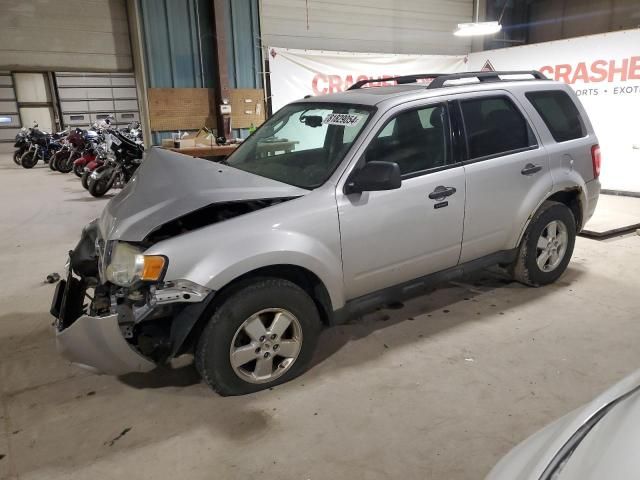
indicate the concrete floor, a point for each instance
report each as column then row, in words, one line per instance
column 439, row 389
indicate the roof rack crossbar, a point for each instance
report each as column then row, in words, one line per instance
column 400, row 80
column 439, row 81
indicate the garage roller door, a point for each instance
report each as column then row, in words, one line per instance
column 89, row 97
column 9, row 118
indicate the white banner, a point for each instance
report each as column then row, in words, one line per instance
column 604, row 70
column 297, row 73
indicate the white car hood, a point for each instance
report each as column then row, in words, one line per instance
column 168, row 185
column 607, row 451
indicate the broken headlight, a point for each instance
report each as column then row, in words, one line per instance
column 127, row 265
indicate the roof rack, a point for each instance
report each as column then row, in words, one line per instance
column 401, row 80
column 485, row 76
column 439, row 79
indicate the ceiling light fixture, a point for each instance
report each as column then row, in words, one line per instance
column 476, row 28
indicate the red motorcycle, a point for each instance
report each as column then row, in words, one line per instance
column 89, row 141
column 89, row 161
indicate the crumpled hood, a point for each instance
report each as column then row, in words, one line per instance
column 169, row 185
column 607, row 451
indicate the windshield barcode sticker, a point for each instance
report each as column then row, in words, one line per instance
column 343, row 119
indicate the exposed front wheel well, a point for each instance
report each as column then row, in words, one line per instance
column 571, row 198
column 300, row 276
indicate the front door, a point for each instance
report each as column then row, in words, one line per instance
column 390, row 237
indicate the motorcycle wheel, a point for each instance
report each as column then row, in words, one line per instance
column 65, row 163
column 84, row 179
column 78, row 170
column 53, row 162
column 16, row 156
column 28, row 160
column 99, row 187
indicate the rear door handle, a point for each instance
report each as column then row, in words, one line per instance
column 530, row 169
column 441, row 192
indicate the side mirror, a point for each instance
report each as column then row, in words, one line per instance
column 374, row 176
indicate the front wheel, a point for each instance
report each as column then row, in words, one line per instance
column 262, row 335
column 65, row 163
column 29, row 159
column 16, row 156
column 98, row 187
column 78, row 170
column 547, row 245
column 84, row 179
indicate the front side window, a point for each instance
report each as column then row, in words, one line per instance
column 495, row 126
column 417, row 140
column 559, row 114
column 302, row 144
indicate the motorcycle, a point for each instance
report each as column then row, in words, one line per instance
column 91, row 139
column 123, row 159
column 42, row 146
column 73, row 146
column 21, row 144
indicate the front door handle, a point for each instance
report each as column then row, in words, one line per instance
column 441, row 192
column 530, row 169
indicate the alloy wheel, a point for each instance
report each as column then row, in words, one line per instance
column 266, row 345
column 552, row 246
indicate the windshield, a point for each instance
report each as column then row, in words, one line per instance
column 302, row 144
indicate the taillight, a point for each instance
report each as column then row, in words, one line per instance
column 596, row 159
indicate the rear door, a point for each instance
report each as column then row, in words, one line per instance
column 390, row 237
column 507, row 172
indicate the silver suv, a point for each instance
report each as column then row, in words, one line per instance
column 335, row 205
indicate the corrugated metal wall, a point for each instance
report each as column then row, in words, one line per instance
column 70, row 35
column 178, row 43
column 386, row 26
column 179, row 46
column 243, row 44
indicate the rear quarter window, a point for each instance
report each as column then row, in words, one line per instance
column 559, row 113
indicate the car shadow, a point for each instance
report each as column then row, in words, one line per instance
column 430, row 314
column 425, row 316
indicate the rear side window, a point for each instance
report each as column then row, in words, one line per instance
column 495, row 126
column 559, row 113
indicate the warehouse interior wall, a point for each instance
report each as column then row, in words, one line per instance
column 378, row 26
column 535, row 21
column 74, row 35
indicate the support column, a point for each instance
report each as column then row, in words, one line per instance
column 220, row 51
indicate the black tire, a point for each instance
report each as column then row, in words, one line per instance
column 98, row 188
column 78, row 170
column 16, row 156
column 53, row 162
column 84, row 179
column 212, row 356
column 526, row 269
column 28, row 160
column 65, row 164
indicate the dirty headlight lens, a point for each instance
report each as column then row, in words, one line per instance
column 128, row 264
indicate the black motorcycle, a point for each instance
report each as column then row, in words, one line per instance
column 42, row 146
column 124, row 159
column 21, row 145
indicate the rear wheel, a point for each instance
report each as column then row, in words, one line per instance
column 264, row 334
column 547, row 246
column 29, row 159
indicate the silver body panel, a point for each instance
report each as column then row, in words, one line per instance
column 609, row 450
column 97, row 344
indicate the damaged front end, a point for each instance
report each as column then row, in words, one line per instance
column 115, row 318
